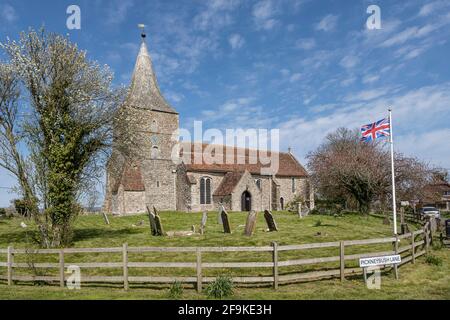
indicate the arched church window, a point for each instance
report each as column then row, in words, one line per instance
column 205, row 190
column 155, row 152
column 258, row 183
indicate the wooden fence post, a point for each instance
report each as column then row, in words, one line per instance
column 199, row 270
column 342, row 260
column 396, row 252
column 413, row 249
column 61, row 268
column 10, row 264
column 125, row 265
column 425, row 231
column 275, row 265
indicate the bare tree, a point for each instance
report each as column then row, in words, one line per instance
column 344, row 169
column 11, row 134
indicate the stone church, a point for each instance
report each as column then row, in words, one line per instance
column 151, row 177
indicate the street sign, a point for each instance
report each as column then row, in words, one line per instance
column 379, row 261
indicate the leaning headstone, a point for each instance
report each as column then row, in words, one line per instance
column 225, row 221
column 203, row 224
column 271, row 224
column 250, row 226
column 159, row 228
column 105, row 217
column 152, row 220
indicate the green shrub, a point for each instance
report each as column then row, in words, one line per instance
column 434, row 260
column 3, row 212
column 221, row 288
column 176, row 290
column 438, row 245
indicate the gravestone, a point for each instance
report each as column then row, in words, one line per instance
column 250, row 225
column 225, row 221
column 159, row 228
column 271, row 224
column 105, row 217
column 299, row 209
column 152, row 220
column 203, row 223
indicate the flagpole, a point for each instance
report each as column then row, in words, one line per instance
column 394, row 204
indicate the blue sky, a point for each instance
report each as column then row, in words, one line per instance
column 306, row 67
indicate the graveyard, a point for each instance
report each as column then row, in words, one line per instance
column 418, row 281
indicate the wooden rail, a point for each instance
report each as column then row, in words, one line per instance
column 418, row 243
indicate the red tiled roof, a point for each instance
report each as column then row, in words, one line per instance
column 228, row 183
column 288, row 165
column 438, row 187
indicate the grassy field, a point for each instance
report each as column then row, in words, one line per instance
column 419, row 281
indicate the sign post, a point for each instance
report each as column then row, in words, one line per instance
column 369, row 262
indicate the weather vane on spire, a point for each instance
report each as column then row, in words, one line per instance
column 142, row 27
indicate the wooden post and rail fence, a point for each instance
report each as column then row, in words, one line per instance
column 417, row 245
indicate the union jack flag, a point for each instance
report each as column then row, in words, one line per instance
column 376, row 130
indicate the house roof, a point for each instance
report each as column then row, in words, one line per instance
column 251, row 160
column 144, row 90
column 131, row 179
column 229, row 182
column 438, row 187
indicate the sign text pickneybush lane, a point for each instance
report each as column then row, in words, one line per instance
column 379, row 261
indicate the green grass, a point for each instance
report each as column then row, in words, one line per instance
column 419, row 281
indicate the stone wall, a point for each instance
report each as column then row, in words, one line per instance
column 286, row 189
column 247, row 182
column 216, row 179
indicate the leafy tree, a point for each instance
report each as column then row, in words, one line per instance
column 68, row 130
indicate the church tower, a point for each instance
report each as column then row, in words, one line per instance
column 147, row 176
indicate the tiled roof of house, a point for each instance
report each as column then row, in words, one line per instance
column 244, row 159
column 438, row 187
column 228, row 183
column 144, row 90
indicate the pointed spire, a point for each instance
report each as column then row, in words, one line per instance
column 144, row 90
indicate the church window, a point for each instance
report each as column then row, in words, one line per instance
column 154, row 126
column 258, row 183
column 157, row 184
column 293, row 185
column 155, row 152
column 205, row 190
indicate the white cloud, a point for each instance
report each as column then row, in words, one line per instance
column 306, row 43
column 367, row 95
column 328, row 23
column 415, row 113
column 295, row 77
column 349, row 61
column 431, row 7
column 216, row 14
column 370, row 78
column 416, row 32
column 117, row 11
column 236, row 41
column 263, row 13
column 8, row 13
